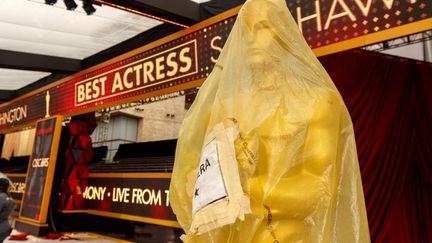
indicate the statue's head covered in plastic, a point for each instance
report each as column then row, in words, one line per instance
column 265, row 38
column 295, row 149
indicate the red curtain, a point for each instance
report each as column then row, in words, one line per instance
column 78, row 156
column 390, row 102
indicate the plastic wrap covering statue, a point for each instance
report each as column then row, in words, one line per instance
column 267, row 151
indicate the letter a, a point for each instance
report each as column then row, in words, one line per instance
column 332, row 16
column 118, row 84
column 207, row 164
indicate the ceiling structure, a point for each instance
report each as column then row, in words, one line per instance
column 33, row 27
column 42, row 42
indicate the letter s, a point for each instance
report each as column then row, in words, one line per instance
column 185, row 59
column 172, row 64
column 215, row 47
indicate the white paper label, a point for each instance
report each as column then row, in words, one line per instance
column 209, row 186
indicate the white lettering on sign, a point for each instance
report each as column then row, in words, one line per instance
column 209, row 186
column 215, row 47
column 167, row 198
column 91, row 90
column 146, row 196
column 17, row 187
column 94, row 192
column 177, row 62
column 339, row 9
column 121, row 194
column 143, row 196
column 40, row 162
column 13, row 115
column 154, row 70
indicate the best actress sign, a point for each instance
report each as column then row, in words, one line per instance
column 174, row 63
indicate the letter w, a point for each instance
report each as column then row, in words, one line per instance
column 388, row 3
column 363, row 8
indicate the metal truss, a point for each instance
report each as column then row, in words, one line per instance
column 403, row 41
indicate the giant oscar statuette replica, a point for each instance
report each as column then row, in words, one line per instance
column 267, row 151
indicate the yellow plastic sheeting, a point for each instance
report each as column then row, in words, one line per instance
column 293, row 141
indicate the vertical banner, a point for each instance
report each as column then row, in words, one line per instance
column 40, row 171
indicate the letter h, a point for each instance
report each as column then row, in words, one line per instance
column 317, row 15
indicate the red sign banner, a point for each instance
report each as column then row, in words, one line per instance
column 184, row 59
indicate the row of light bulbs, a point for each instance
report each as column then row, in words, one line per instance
column 71, row 5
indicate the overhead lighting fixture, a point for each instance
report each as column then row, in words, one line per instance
column 50, row 2
column 88, row 7
column 70, row 4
